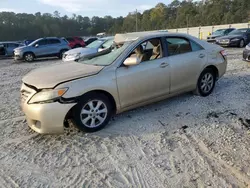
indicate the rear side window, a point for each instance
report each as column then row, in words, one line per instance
column 178, row 45
column 195, row 46
column 54, row 41
column 65, row 40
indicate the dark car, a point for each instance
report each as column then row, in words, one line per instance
column 75, row 42
column 219, row 33
column 246, row 53
column 90, row 40
column 236, row 38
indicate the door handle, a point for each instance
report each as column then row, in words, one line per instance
column 201, row 55
column 163, row 65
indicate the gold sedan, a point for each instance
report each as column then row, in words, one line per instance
column 142, row 68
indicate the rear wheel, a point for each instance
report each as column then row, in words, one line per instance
column 62, row 52
column 206, row 83
column 29, row 57
column 93, row 112
column 242, row 43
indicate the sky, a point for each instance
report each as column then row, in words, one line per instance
column 89, row 8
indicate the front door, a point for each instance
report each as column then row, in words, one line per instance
column 147, row 80
column 42, row 49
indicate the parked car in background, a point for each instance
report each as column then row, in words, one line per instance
column 43, row 47
column 93, row 48
column 246, row 53
column 8, row 48
column 75, row 42
column 219, row 33
column 236, row 38
column 90, row 40
column 91, row 91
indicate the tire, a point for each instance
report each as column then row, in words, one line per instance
column 29, row 57
column 61, row 53
column 206, row 83
column 241, row 43
column 92, row 119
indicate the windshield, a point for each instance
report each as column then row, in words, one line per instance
column 34, row 42
column 107, row 59
column 238, row 32
column 95, row 44
column 219, row 32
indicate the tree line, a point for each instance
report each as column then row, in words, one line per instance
column 178, row 14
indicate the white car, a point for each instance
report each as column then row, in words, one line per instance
column 91, row 49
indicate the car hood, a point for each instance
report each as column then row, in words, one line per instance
column 81, row 50
column 215, row 36
column 49, row 77
column 22, row 47
column 230, row 36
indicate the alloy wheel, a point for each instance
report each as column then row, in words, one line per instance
column 207, row 82
column 241, row 43
column 29, row 57
column 94, row 113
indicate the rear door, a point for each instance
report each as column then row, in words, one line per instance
column 186, row 59
column 54, row 46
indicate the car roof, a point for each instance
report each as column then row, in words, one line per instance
column 121, row 38
column 5, row 42
column 243, row 29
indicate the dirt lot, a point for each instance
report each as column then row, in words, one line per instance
column 187, row 141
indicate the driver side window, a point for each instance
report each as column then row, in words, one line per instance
column 148, row 50
column 42, row 42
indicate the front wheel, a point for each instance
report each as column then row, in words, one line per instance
column 29, row 57
column 93, row 112
column 206, row 83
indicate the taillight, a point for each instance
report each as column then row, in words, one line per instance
column 223, row 53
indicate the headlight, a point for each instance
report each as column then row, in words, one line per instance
column 17, row 51
column 236, row 39
column 47, row 96
column 248, row 47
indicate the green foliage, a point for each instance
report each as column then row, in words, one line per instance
column 175, row 15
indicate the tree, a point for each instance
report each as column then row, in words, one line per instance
column 175, row 15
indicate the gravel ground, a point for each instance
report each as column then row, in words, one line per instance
column 186, row 141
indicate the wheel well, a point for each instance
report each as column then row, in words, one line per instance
column 107, row 94
column 63, row 50
column 215, row 70
column 30, row 53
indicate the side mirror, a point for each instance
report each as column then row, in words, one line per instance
column 100, row 49
column 131, row 61
column 37, row 45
